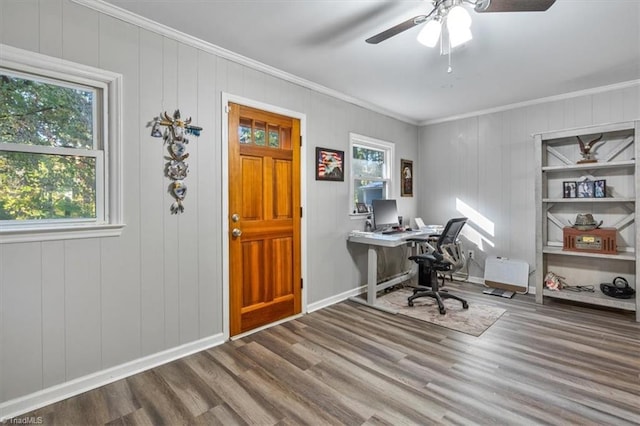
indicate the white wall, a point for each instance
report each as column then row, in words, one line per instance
column 487, row 162
column 76, row 307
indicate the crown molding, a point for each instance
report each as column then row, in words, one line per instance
column 555, row 98
column 155, row 27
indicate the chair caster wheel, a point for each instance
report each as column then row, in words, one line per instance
column 465, row 305
column 410, row 303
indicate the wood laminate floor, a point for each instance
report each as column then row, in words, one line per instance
column 349, row 364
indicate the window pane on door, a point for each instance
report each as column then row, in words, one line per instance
column 274, row 136
column 244, row 131
column 259, row 133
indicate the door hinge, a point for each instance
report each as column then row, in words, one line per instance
column 227, row 109
column 300, row 140
column 301, row 283
column 300, row 211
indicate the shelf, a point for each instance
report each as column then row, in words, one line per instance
column 595, row 298
column 622, row 255
column 589, row 200
column 555, row 157
column 590, row 166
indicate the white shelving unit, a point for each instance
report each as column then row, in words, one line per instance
column 557, row 154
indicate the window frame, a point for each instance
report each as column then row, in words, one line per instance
column 107, row 147
column 389, row 178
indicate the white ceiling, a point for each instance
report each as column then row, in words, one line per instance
column 513, row 57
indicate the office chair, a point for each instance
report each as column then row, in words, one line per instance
column 447, row 256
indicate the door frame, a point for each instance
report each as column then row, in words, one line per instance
column 224, row 226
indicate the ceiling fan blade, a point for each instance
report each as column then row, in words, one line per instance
column 410, row 23
column 484, row 6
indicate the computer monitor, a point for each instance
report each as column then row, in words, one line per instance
column 385, row 214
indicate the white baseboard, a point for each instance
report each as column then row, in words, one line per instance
column 335, row 299
column 473, row 280
column 27, row 403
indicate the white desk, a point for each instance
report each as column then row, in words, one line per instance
column 373, row 240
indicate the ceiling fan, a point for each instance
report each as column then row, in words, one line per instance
column 457, row 19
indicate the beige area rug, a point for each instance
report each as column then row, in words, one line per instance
column 475, row 320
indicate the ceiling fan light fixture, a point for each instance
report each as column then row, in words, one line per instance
column 430, row 34
column 458, row 17
column 459, row 36
column 459, row 26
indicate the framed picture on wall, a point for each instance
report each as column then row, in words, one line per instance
column 406, row 178
column 329, row 164
column 568, row 190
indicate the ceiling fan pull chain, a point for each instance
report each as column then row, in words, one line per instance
column 449, row 69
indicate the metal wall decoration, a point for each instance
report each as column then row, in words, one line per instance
column 176, row 168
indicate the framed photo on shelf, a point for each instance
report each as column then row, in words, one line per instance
column 569, row 189
column 329, row 164
column 406, row 177
column 362, row 208
column 585, row 189
column 600, row 188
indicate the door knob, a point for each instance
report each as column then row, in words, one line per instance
column 235, row 217
column 236, row 232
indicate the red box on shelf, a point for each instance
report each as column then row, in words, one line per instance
column 600, row 240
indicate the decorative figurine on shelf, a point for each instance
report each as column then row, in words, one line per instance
column 586, row 150
column 176, row 168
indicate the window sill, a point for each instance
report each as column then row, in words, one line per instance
column 53, row 233
column 355, row 216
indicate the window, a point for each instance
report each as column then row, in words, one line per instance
column 371, row 170
column 59, row 149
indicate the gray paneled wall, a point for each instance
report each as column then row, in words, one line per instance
column 491, row 170
column 72, row 308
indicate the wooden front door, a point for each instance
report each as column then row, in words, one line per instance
column 264, row 218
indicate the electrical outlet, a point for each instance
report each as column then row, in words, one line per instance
column 471, row 255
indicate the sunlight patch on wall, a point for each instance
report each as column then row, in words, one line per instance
column 478, row 221
column 475, row 237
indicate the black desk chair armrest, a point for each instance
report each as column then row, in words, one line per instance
column 432, row 257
